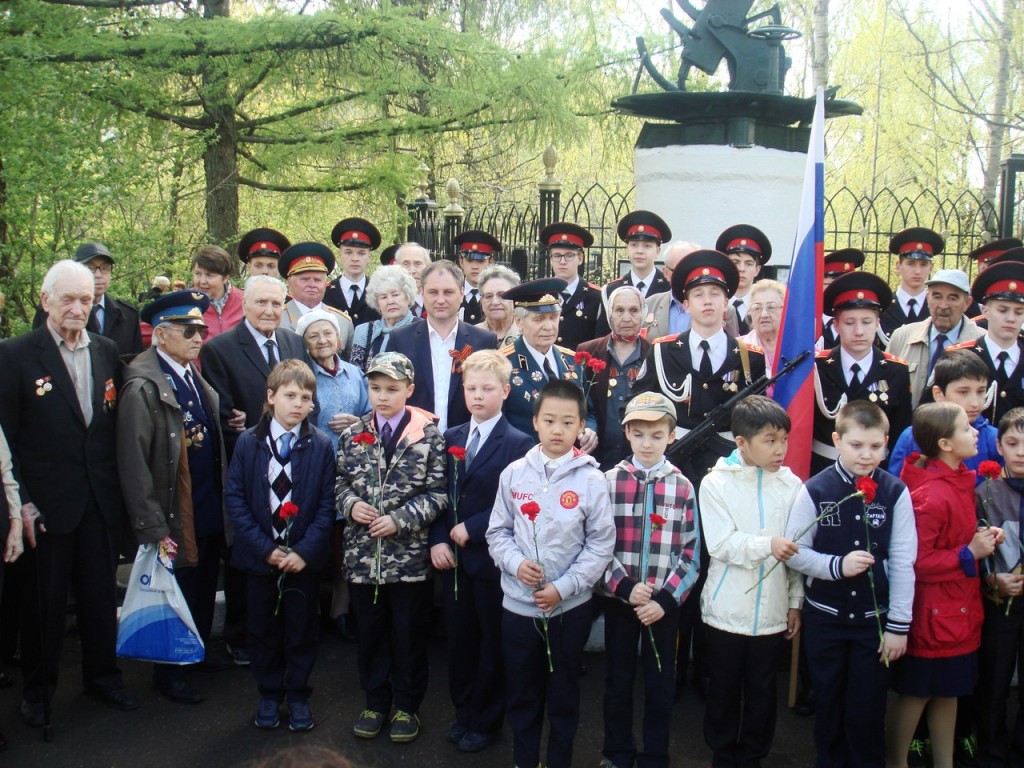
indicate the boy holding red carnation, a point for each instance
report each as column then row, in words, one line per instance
column 855, row 528
column 280, row 497
column 652, row 571
column 551, row 535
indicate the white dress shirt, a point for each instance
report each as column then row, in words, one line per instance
column 441, row 365
column 719, row 346
column 848, row 360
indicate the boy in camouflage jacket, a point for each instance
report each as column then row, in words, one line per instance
column 391, row 487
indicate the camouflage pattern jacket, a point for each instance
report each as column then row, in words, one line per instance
column 412, row 489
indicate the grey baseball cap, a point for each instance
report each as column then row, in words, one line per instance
column 955, row 277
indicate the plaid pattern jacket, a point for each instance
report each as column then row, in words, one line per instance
column 671, row 561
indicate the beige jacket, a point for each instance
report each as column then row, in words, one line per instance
column 912, row 343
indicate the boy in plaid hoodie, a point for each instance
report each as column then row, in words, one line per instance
column 655, row 565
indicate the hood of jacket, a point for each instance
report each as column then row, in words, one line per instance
column 937, row 472
column 535, row 458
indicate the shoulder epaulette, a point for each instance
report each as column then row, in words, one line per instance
column 336, row 311
column 508, row 349
column 750, row 347
column 595, row 287
column 900, row 360
column 565, row 350
column 962, row 345
column 821, row 354
column 670, row 337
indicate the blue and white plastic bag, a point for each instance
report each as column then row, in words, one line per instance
column 156, row 624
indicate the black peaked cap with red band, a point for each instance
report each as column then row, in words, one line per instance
column 744, row 238
column 844, row 260
column 918, row 243
column 262, row 241
column 993, row 250
column 355, row 232
column 1004, row 281
column 475, row 244
column 644, row 225
column 387, row 256
column 1013, row 254
column 564, row 234
column 857, row 290
column 704, row 267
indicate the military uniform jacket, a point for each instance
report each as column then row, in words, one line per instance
column 471, row 311
column 658, row 285
column 528, row 379
column 670, row 370
column 359, row 312
column 886, row 383
column 1007, row 391
column 893, row 317
column 578, row 320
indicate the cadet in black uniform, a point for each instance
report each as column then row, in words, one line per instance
column 915, row 247
column 354, row 238
column 643, row 233
column 1000, row 288
column 986, row 255
column 476, row 250
column 856, row 369
column 837, row 264
column 749, row 249
column 259, row 249
column 566, row 246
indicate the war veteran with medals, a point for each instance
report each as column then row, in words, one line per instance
column 535, row 358
column 170, row 457
column 856, row 369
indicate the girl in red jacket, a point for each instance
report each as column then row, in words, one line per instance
column 945, row 633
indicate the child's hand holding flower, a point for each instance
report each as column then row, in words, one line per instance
column 984, row 542
column 547, row 598
column 650, row 612
column 783, row 548
column 530, row 573
column 640, row 594
column 856, row 562
column 363, row 513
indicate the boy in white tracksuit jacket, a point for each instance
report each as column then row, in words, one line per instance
column 750, row 610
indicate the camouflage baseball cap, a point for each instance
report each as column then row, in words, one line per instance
column 394, row 365
column 649, row 406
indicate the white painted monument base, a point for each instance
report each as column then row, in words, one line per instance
column 700, row 189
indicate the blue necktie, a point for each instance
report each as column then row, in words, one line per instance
column 286, row 445
column 471, row 449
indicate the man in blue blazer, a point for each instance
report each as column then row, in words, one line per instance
column 439, row 345
column 458, row 549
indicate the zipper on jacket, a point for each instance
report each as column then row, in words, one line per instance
column 760, row 573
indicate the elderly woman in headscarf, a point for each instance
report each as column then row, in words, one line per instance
column 392, row 292
column 341, row 389
column 623, row 352
column 499, row 317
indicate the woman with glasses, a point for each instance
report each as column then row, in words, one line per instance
column 499, row 317
column 391, row 292
column 212, row 267
column 767, row 298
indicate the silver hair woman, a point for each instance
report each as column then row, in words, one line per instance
column 392, row 292
column 498, row 315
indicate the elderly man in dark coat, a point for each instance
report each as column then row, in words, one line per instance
column 58, row 394
column 170, row 453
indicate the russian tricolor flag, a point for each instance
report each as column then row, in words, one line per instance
column 801, row 318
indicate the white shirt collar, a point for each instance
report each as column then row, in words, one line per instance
column 277, row 429
column 260, row 338
column 346, row 285
column 848, row 360
column 648, row 281
column 636, row 463
column 484, row 427
column 716, row 343
column 556, row 463
column 177, row 368
column 435, row 336
column 903, row 297
column 571, row 287
column 467, row 287
column 1012, row 352
column 540, row 357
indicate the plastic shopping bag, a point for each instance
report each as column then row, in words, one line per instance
column 156, row 624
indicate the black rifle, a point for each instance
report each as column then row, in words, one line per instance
column 695, row 439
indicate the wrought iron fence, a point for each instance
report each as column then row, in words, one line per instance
column 852, row 219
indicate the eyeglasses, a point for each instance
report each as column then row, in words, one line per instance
column 491, row 296
column 565, row 257
column 189, row 331
column 771, row 309
column 100, row 269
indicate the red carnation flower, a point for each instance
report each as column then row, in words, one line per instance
column 581, row 357
column 596, row 365
column 458, row 453
column 657, row 520
column 289, row 510
column 990, row 469
column 364, row 438
column 531, row 509
column 867, row 488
